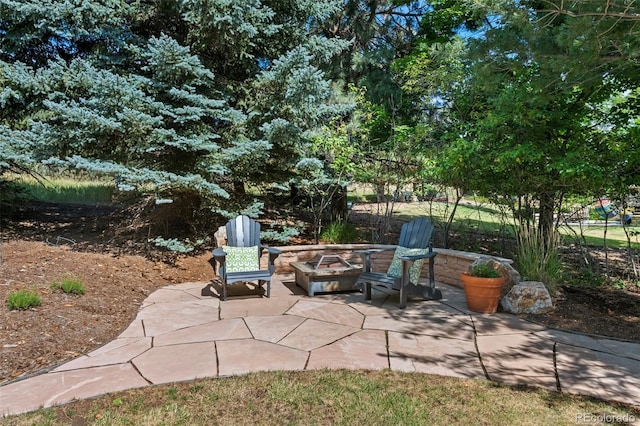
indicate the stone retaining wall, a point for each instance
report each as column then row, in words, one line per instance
column 448, row 263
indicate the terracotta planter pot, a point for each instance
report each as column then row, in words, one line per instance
column 483, row 294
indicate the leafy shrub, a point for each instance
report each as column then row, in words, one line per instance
column 69, row 286
column 282, row 236
column 23, row 300
column 339, row 233
column 483, row 270
column 175, row 245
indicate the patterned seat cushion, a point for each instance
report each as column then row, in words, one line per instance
column 242, row 259
column 395, row 268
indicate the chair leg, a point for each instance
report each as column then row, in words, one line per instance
column 404, row 282
column 432, row 280
column 403, row 296
column 263, row 282
column 432, row 292
column 223, row 296
column 367, row 291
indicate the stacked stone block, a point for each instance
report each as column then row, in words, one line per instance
column 448, row 263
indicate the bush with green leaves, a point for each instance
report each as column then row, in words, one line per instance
column 175, row 245
column 483, row 270
column 69, row 285
column 23, row 300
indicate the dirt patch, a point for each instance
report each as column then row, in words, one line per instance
column 66, row 326
column 117, row 281
column 600, row 311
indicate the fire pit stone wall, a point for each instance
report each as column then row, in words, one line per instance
column 448, row 263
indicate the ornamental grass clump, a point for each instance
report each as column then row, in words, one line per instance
column 538, row 257
column 69, row 286
column 23, row 300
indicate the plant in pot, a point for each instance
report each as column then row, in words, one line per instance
column 482, row 288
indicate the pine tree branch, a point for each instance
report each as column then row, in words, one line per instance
column 611, row 9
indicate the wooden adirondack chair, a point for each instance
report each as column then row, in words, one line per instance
column 414, row 245
column 239, row 260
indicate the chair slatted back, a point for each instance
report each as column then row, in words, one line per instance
column 416, row 234
column 243, row 232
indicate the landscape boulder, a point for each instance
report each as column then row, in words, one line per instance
column 221, row 236
column 527, row 297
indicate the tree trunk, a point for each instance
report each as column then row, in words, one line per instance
column 339, row 210
column 238, row 187
column 294, row 195
column 450, row 217
column 380, row 193
column 545, row 221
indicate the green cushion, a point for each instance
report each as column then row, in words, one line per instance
column 242, row 259
column 395, row 268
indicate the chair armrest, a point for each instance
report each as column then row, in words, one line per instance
column 219, row 254
column 366, row 256
column 371, row 251
column 408, row 260
column 273, row 253
column 415, row 257
column 219, row 257
column 273, row 250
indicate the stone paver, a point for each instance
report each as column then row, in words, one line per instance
column 588, row 372
column 160, row 318
column 435, row 325
column 241, row 308
column 518, row 359
column 272, row 328
column 170, row 294
column 329, row 312
column 51, row 389
column 575, row 339
column 249, row 355
column 213, row 331
column 454, row 297
column 195, row 289
column 626, row 349
column 493, row 325
column 434, row 355
column 135, row 329
column 313, row 334
column 369, row 308
column 116, row 352
column 166, row 364
column 363, row 350
column 182, row 333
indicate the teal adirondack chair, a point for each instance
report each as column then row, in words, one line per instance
column 414, row 246
column 239, row 260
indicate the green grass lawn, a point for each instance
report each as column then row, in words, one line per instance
column 67, row 190
column 616, row 237
column 328, row 398
column 488, row 219
column 483, row 218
